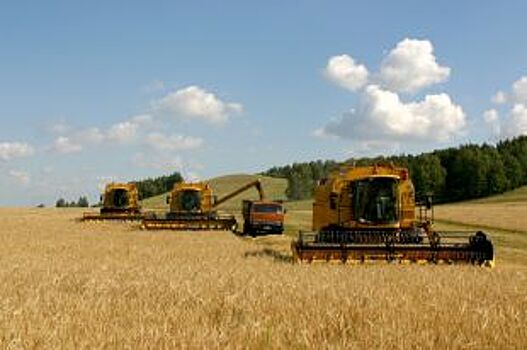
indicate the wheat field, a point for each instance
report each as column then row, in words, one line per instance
column 67, row 284
column 509, row 216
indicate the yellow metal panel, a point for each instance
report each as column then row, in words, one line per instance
column 339, row 212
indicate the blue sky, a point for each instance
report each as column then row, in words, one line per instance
column 119, row 90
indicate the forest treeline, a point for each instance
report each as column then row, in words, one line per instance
column 81, row 203
column 151, row 187
column 453, row 174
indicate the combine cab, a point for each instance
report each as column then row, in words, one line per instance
column 120, row 202
column 193, row 207
column 365, row 214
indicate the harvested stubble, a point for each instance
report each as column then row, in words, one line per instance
column 72, row 285
column 502, row 215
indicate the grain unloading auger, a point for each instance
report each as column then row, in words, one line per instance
column 120, row 202
column 193, row 207
column 363, row 214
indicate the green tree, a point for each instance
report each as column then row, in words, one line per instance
column 513, row 170
column 83, row 202
column 428, row 175
column 154, row 186
column 497, row 181
column 61, row 203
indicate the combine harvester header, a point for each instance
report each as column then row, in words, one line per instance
column 368, row 213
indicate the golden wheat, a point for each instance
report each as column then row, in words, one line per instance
column 78, row 285
column 507, row 215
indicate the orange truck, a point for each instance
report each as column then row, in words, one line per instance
column 262, row 217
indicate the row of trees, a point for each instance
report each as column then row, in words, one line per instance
column 453, row 174
column 81, row 203
column 154, row 186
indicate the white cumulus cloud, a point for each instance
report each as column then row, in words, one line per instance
column 194, row 102
column 499, row 98
column 381, row 115
column 490, row 116
column 519, row 90
column 20, row 177
column 344, row 71
column 88, row 136
column 410, row 66
column 142, row 120
column 122, row 132
column 162, row 142
column 12, row 150
column 516, row 124
column 492, row 119
column 191, row 102
column 76, row 141
column 516, row 95
column 64, row 145
column 119, row 133
column 514, row 111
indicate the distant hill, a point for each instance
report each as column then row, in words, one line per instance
column 274, row 188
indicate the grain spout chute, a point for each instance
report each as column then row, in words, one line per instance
column 193, row 207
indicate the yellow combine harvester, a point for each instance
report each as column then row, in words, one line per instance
column 193, row 207
column 369, row 213
column 119, row 202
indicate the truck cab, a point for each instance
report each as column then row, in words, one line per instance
column 262, row 217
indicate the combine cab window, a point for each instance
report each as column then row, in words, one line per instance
column 374, row 200
column 119, row 198
column 272, row 209
column 190, row 200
